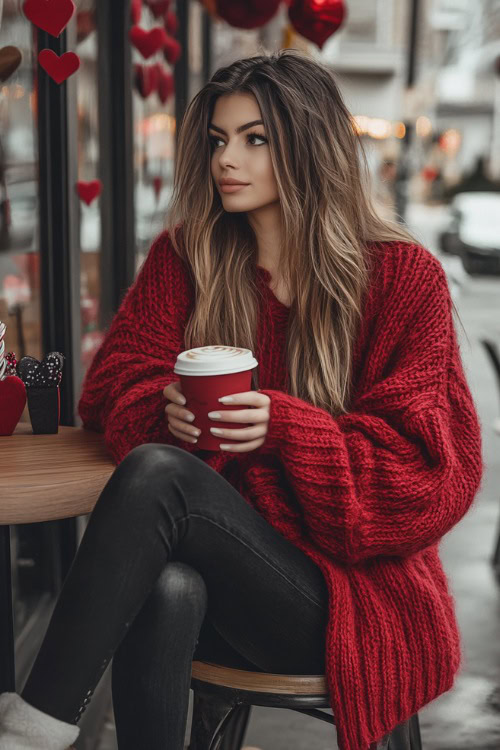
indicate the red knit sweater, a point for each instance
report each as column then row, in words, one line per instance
column 372, row 492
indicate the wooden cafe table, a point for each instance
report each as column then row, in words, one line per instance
column 43, row 478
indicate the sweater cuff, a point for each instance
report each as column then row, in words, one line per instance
column 278, row 422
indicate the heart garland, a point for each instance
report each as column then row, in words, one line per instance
column 166, row 86
column 145, row 79
column 135, row 11
column 172, row 50
column 58, row 68
column 88, row 191
column 148, row 42
column 10, row 59
column 158, row 7
column 49, row 15
column 171, row 22
column 157, row 185
column 44, row 374
column 149, row 78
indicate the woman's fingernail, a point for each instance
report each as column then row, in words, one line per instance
column 214, row 414
column 181, row 400
column 226, row 399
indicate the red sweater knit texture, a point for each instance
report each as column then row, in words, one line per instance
column 367, row 495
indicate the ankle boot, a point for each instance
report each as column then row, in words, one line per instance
column 24, row 727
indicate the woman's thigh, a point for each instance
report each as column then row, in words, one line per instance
column 266, row 599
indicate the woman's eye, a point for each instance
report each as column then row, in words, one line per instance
column 250, row 136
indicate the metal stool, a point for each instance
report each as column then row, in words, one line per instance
column 223, row 698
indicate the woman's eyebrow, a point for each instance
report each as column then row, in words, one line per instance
column 238, row 130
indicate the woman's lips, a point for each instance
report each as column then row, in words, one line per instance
column 231, row 188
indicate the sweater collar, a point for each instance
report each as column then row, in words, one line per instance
column 265, row 277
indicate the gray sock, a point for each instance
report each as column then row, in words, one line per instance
column 24, row 727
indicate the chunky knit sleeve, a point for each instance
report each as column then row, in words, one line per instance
column 122, row 393
column 398, row 471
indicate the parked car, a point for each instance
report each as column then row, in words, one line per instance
column 474, row 232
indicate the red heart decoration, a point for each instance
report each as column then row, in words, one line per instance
column 171, row 22
column 88, row 191
column 148, row 42
column 12, row 403
column 172, row 50
column 50, row 15
column 157, row 183
column 58, row 68
column 166, row 86
column 155, row 73
column 159, row 7
column 136, row 11
column 317, row 20
column 146, row 79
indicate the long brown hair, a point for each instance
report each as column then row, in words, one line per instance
column 327, row 220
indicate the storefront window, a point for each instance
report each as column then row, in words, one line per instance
column 88, row 172
column 19, row 232
column 20, row 303
column 154, row 139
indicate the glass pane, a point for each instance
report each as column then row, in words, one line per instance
column 19, row 235
column 88, row 171
column 154, row 139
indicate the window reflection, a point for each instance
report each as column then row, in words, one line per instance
column 154, row 145
column 19, row 232
column 88, row 171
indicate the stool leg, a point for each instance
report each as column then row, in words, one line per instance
column 415, row 738
column 405, row 736
column 234, row 733
column 210, row 714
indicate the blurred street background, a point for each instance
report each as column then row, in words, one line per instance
column 86, row 169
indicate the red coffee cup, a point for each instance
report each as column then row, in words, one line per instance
column 208, row 372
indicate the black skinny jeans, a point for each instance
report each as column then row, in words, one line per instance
column 174, row 564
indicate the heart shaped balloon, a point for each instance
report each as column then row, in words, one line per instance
column 249, row 15
column 317, row 20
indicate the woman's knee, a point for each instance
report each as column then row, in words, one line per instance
column 143, row 458
column 149, row 464
column 180, row 585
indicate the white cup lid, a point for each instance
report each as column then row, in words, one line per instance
column 214, row 360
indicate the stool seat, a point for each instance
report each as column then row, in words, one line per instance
column 259, row 682
column 224, row 696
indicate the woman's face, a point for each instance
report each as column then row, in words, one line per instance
column 242, row 156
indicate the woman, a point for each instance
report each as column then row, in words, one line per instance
column 309, row 542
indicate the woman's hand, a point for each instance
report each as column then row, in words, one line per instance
column 250, row 438
column 253, row 436
column 178, row 422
